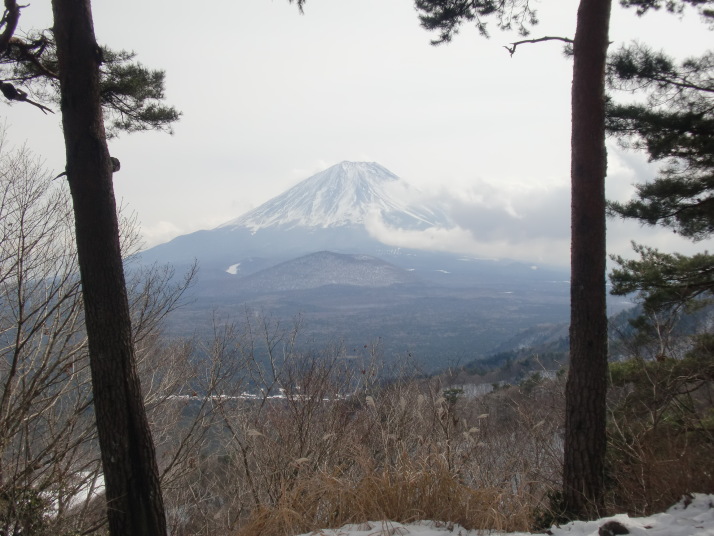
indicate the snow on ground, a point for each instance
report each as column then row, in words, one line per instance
column 693, row 516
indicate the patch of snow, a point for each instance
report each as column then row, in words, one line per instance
column 92, row 487
column 692, row 516
column 233, row 268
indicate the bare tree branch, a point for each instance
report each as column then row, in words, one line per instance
column 12, row 93
column 512, row 49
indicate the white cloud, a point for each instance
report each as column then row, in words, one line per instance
column 159, row 232
column 529, row 221
column 488, row 234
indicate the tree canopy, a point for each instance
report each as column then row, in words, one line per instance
column 447, row 16
column 673, row 6
column 675, row 127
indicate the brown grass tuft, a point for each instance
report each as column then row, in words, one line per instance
column 406, row 495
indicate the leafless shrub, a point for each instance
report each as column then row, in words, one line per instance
column 50, row 473
column 44, row 394
column 661, row 438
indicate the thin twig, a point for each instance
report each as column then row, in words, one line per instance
column 512, row 49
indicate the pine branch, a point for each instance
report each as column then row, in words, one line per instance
column 684, row 84
column 680, row 82
column 300, row 5
column 638, row 67
column 31, row 52
column 663, row 280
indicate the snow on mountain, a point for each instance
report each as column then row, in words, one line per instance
column 344, row 194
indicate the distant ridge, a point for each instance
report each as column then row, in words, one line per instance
column 327, row 268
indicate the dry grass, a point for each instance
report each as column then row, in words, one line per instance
column 404, row 453
column 405, row 495
column 339, row 447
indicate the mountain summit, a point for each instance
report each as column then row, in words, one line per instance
column 344, row 194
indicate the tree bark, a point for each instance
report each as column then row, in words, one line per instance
column 585, row 434
column 134, row 501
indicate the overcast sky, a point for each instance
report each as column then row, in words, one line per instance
column 270, row 97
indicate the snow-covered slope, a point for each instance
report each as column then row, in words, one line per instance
column 344, row 194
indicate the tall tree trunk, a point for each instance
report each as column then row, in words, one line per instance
column 134, row 502
column 585, row 439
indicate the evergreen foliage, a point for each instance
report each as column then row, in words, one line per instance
column 132, row 95
column 446, row 16
column 664, row 280
column 675, row 126
column 673, row 6
column 300, row 3
column 665, row 401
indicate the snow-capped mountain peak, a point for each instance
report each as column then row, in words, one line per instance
column 344, row 194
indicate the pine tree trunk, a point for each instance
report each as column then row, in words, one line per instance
column 585, row 439
column 134, row 502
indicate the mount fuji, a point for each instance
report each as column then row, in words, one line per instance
column 309, row 251
column 332, row 211
column 329, row 211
